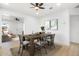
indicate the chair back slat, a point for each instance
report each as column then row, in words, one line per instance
column 20, row 39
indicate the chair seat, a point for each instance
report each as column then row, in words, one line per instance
column 25, row 42
column 48, row 39
column 41, row 43
column 38, row 43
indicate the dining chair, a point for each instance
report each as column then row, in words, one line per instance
column 50, row 40
column 41, row 44
column 23, row 44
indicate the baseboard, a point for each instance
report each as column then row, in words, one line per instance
column 74, row 43
column 62, row 44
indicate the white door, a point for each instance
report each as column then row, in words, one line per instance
column 74, row 28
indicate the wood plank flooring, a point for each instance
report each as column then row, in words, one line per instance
column 72, row 50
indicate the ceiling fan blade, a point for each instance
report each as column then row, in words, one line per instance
column 37, row 4
column 41, row 7
column 32, row 4
column 40, row 4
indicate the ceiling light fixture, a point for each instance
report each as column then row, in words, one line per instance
column 36, row 8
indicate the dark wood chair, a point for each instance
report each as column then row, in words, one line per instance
column 41, row 44
column 50, row 40
column 23, row 44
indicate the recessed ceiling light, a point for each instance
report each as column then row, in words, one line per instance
column 58, row 4
column 6, row 3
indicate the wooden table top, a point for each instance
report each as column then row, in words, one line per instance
column 34, row 36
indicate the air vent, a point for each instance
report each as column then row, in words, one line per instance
column 77, row 6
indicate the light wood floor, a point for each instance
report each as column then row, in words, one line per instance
column 5, row 48
column 72, row 50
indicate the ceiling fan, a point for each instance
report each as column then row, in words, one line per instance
column 37, row 6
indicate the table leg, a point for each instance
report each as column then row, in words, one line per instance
column 31, row 49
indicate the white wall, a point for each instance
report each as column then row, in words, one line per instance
column 31, row 24
column 74, row 22
column 62, row 34
column 74, row 28
column 74, row 11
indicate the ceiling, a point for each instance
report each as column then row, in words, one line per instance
column 24, row 8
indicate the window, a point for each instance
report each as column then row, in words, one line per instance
column 51, row 24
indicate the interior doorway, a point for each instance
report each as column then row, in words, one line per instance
column 11, row 27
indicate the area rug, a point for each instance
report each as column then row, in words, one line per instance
column 50, row 51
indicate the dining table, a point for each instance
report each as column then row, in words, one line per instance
column 32, row 37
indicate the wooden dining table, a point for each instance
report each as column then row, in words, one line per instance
column 31, row 38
